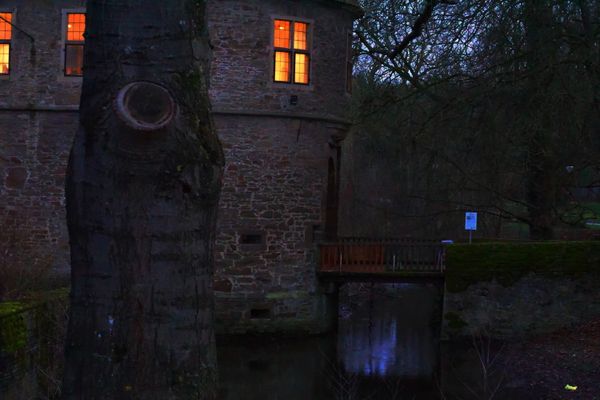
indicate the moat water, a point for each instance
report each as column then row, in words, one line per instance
column 387, row 347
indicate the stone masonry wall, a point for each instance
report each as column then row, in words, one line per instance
column 36, row 78
column 509, row 290
column 277, row 153
column 533, row 305
column 38, row 119
column 35, row 148
column 275, row 183
column 242, row 77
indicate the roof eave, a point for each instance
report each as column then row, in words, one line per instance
column 350, row 5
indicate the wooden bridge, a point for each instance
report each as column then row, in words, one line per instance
column 386, row 260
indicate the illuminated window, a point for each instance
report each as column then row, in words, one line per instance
column 74, row 43
column 291, row 51
column 300, row 36
column 301, row 68
column 5, row 38
column 282, row 66
column 282, row 34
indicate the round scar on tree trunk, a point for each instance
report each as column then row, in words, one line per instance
column 145, row 106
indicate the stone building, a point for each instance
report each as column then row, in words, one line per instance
column 39, row 102
column 280, row 83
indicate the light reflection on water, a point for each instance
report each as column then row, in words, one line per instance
column 384, row 335
column 389, row 334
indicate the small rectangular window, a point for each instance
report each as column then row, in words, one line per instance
column 291, row 52
column 75, row 27
column 5, row 41
column 260, row 313
column 251, row 238
column 74, row 44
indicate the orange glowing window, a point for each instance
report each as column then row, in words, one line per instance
column 75, row 27
column 300, row 36
column 291, row 50
column 282, row 66
column 301, row 68
column 5, row 26
column 281, row 34
column 5, row 38
column 74, row 44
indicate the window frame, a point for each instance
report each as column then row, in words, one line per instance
column 9, row 42
column 64, row 43
column 291, row 51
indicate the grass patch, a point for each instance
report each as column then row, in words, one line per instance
column 13, row 329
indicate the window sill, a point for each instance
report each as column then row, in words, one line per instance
column 73, row 79
column 252, row 248
column 291, row 86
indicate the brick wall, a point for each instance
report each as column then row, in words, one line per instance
column 241, row 33
column 277, row 155
column 35, row 148
column 275, row 183
column 36, row 79
column 38, row 119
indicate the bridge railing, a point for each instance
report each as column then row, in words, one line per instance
column 383, row 255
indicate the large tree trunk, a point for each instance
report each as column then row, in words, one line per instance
column 142, row 191
column 541, row 170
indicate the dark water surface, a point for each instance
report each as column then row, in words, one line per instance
column 387, row 347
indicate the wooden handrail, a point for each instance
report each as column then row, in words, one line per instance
column 371, row 256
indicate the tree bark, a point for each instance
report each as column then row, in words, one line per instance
column 143, row 184
column 542, row 185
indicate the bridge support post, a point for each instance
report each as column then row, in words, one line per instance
column 327, row 306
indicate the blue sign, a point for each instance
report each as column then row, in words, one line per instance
column 471, row 221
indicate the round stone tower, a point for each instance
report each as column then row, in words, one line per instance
column 280, row 89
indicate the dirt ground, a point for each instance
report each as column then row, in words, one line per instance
column 539, row 368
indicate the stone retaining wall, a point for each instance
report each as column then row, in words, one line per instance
column 509, row 291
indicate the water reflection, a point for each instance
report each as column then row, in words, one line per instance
column 385, row 343
column 388, row 333
column 269, row 368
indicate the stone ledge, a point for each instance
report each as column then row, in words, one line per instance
column 281, row 114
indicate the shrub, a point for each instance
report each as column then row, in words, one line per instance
column 508, row 262
column 25, row 268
